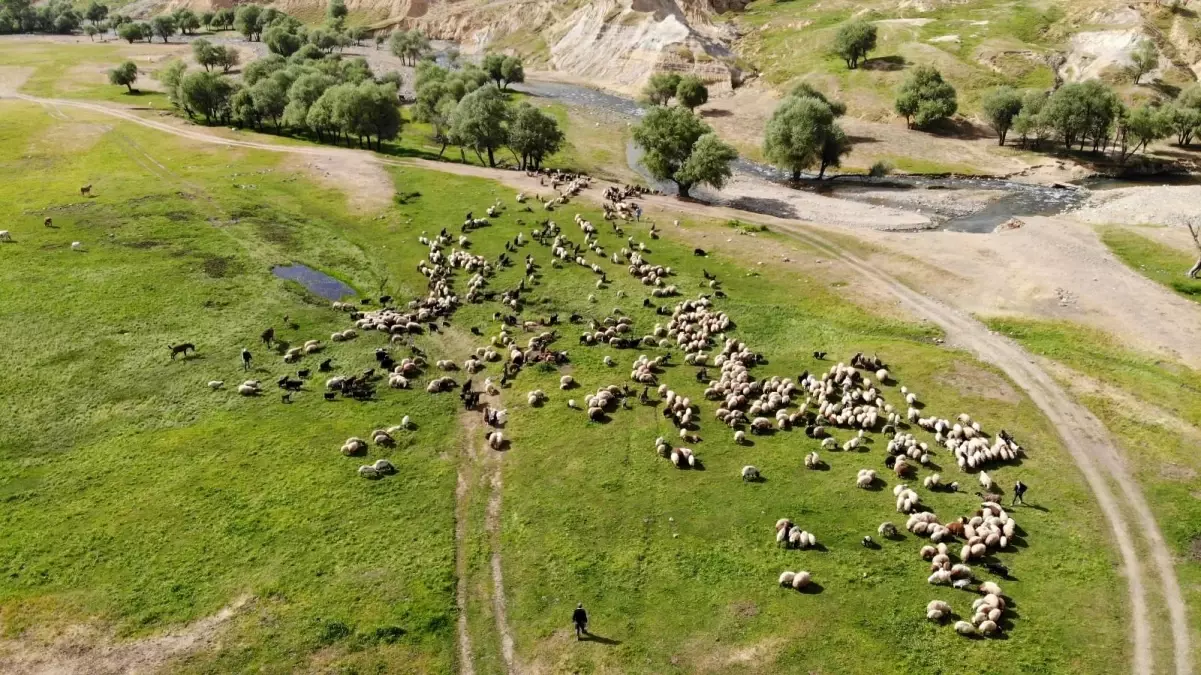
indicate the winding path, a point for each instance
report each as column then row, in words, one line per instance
column 1086, row 439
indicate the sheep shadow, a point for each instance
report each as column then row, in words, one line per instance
column 876, row 485
column 885, row 63
column 813, row 588
column 820, row 466
column 871, row 545
column 745, row 443
column 756, row 479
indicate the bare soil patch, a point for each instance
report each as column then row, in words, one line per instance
column 975, row 382
column 95, row 651
column 366, row 184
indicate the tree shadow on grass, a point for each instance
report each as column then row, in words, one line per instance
column 885, row 63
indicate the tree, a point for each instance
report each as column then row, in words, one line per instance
column 478, row 122
column 224, row 18
column 533, row 135
column 380, row 39
column 205, row 53
column 1080, row 111
column 207, row 93
column 163, row 26
column 691, row 92
column 806, row 90
column 512, row 71
column 261, row 68
column 1183, row 116
column 280, row 40
column 90, row 31
column 1001, row 105
column 796, row 134
column 408, row 46
column 323, row 40
column 357, row 34
column 246, row 21
column 1144, row 59
column 170, row 76
column 146, row 31
column 124, row 75
column 854, row 41
column 503, row 70
column 270, row 99
column 670, row 137
column 206, row 19
column 303, row 93
column 1030, row 123
column 381, row 117
column 661, row 87
column 925, row 98
column 835, row 146
column 96, row 12
column 130, row 31
column 186, row 20
column 227, row 57
column 708, row 164
column 1138, row 128
column 307, row 52
column 1195, row 230
column 335, row 12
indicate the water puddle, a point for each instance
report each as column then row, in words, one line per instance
column 319, row 283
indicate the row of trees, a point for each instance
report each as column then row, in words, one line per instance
column 331, row 98
column 687, row 90
column 466, row 111
column 1091, row 115
column 56, row 16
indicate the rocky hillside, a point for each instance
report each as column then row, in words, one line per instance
column 618, row 43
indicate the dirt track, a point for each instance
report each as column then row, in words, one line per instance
column 1083, row 434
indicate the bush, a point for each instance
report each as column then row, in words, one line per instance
column 124, row 75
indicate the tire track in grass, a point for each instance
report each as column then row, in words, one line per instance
column 1086, row 439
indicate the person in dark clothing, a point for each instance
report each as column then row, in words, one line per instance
column 245, row 359
column 580, row 618
column 1019, row 492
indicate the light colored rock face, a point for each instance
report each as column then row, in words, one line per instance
column 1091, row 54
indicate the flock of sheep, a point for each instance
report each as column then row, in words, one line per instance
column 849, row 401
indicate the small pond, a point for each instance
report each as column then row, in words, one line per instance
column 318, row 283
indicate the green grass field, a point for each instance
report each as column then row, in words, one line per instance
column 1153, row 409
column 1158, row 262
column 137, row 498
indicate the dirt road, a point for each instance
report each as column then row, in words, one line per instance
column 1084, row 436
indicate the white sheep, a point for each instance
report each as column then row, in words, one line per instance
column 77, row 246
column 5, row 236
column 964, row 628
column 740, row 437
column 368, row 471
column 216, row 384
column 786, row 578
column 812, row 461
column 566, row 382
column 247, row 390
column 937, row 610
column 750, row 473
column 986, row 480
column 800, row 580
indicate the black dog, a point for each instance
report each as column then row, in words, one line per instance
column 176, row 350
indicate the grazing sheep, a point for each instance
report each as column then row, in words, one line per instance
column 986, row 481
column 812, row 461
column 740, row 437
column 76, row 246
column 786, row 579
column 865, row 478
column 368, row 471
column 800, row 580
column 750, row 473
column 5, row 236
column 353, row 446
column 566, row 382
column 964, row 628
column 216, row 384
column 937, row 610
column 990, row 588
column 887, row 529
column 383, row 466
column 248, row 390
